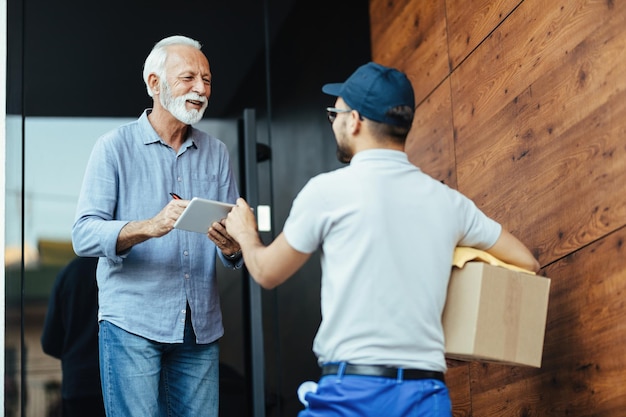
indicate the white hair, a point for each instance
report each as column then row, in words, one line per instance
column 155, row 62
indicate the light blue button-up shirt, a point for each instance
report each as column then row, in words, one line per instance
column 145, row 290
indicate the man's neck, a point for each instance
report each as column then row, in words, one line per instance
column 367, row 142
column 171, row 130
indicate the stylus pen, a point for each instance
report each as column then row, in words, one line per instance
column 175, row 196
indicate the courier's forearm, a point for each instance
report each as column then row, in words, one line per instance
column 270, row 265
column 511, row 250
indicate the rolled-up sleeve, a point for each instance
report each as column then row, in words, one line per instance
column 95, row 231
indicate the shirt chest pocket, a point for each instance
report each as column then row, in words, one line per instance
column 205, row 185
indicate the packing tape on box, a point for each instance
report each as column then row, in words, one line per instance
column 513, row 302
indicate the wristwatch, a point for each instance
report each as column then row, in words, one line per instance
column 233, row 256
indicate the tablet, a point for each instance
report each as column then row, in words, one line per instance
column 201, row 213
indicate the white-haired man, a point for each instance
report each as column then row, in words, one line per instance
column 159, row 313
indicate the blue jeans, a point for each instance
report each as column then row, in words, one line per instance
column 143, row 378
column 371, row 396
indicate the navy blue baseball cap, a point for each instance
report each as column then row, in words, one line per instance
column 372, row 90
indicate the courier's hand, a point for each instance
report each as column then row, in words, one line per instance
column 241, row 221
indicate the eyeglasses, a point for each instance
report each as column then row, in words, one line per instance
column 333, row 111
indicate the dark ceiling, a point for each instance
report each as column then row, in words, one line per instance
column 85, row 59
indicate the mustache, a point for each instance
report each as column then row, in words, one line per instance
column 195, row 97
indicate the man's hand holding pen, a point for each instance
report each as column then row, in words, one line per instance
column 164, row 221
column 138, row 231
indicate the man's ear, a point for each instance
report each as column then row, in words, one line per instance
column 153, row 82
column 355, row 123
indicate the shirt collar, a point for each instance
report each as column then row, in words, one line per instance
column 379, row 155
column 150, row 135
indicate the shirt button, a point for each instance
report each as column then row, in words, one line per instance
column 183, row 311
column 186, row 253
column 186, row 276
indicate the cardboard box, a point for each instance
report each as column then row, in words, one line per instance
column 495, row 314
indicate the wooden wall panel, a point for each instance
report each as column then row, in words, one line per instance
column 457, row 380
column 411, row 36
column 585, row 366
column 544, row 120
column 507, row 391
column 469, row 23
column 584, row 363
column 430, row 144
column 522, row 49
column 537, row 109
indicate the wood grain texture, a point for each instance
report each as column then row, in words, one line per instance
column 548, row 129
column 430, row 144
column 470, row 21
column 584, row 364
column 457, row 380
column 411, row 36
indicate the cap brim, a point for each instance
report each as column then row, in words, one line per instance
column 332, row 89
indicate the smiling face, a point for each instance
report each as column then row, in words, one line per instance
column 186, row 86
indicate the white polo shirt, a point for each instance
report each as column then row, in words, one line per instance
column 387, row 234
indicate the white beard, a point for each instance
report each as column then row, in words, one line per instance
column 176, row 105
